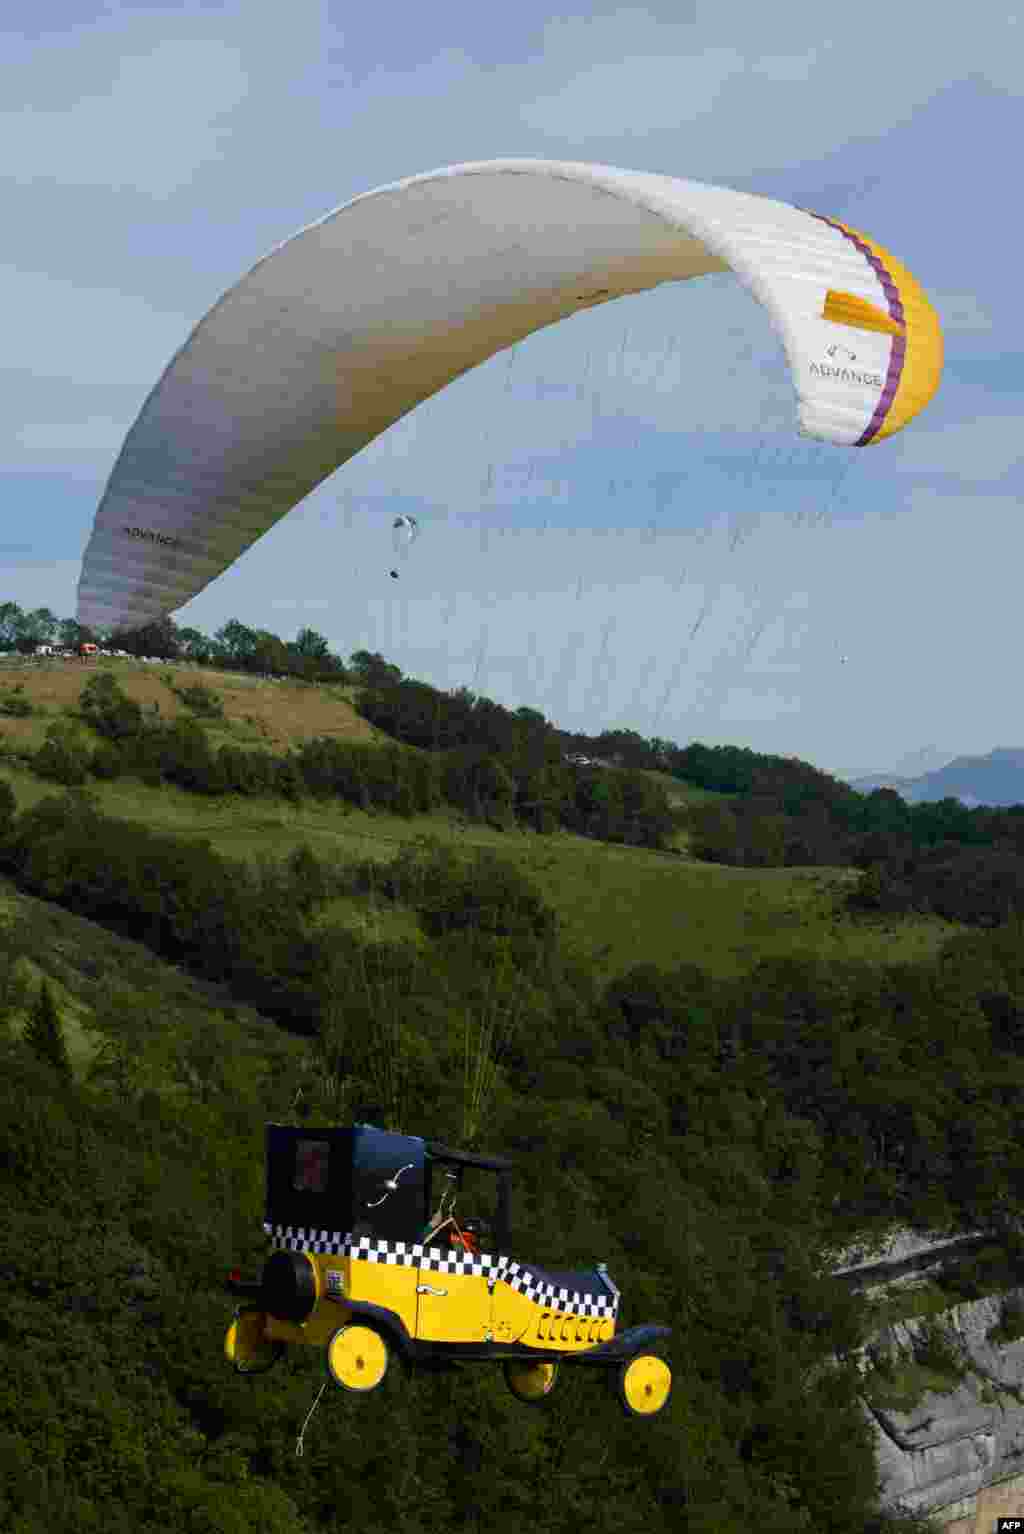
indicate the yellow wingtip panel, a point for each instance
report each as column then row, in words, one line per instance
column 923, row 348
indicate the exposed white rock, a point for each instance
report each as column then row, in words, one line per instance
column 951, row 1445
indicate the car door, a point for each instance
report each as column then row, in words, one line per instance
column 453, row 1299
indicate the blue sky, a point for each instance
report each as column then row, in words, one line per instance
column 585, row 503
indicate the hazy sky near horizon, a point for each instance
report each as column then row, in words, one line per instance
column 592, row 499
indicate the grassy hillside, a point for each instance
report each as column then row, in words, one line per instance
column 89, row 967
column 682, row 793
column 619, row 905
column 257, row 712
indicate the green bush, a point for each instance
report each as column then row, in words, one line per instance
column 106, row 761
column 188, row 759
column 1010, row 1326
column 489, row 895
column 14, row 704
column 311, row 882
column 287, row 778
column 64, row 757
column 246, row 772
column 109, row 711
column 8, row 808
column 200, row 700
column 44, row 1034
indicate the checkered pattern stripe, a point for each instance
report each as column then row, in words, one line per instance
column 596, row 1304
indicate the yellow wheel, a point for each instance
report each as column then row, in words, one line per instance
column 245, row 1345
column 642, row 1384
column 357, row 1358
column 531, row 1383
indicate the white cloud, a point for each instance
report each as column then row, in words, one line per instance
column 49, row 583
column 51, row 444
column 960, row 312
column 153, row 101
column 762, row 93
column 54, row 328
column 984, row 451
column 144, row 119
column 744, row 705
column 72, row 350
column 672, row 88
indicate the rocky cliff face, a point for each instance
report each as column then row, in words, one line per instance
column 959, row 1437
column 950, row 1445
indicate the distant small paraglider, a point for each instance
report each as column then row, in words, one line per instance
column 404, row 532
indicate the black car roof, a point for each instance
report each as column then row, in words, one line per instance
column 441, row 1152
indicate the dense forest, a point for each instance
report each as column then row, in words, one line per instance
column 717, row 1140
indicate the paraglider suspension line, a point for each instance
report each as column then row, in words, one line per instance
column 305, row 1425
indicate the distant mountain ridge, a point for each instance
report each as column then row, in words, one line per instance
column 914, row 765
column 996, row 780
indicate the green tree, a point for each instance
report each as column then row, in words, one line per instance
column 236, row 642
column 70, row 633
column 542, row 792
column 309, row 643
column 186, row 756
column 310, row 879
column 15, row 702
column 40, row 626
column 765, row 841
column 8, row 809
column 159, row 638
column 269, row 653
column 63, row 757
column 14, row 988
column 714, row 833
column 493, row 791
column 372, row 670
column 11, row 621
column 44, row 1034
column 200, row 700
column 194, row 644
column 109, row 711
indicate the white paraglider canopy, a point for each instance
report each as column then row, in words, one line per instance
column 354, row 321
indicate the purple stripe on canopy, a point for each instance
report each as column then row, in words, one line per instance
column 898, row 350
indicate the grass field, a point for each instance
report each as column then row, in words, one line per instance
column 683, row 793
column 619, row 905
